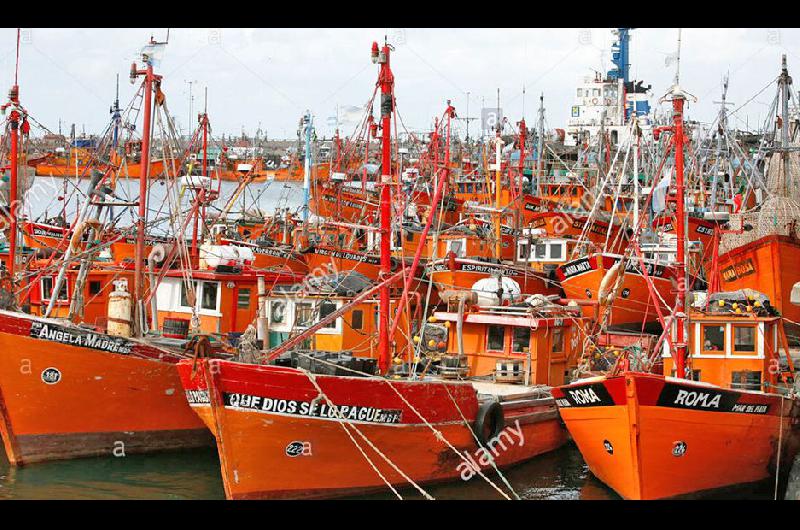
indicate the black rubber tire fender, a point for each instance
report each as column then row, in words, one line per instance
column 490, row 414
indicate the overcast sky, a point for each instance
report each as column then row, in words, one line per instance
column 268, row 77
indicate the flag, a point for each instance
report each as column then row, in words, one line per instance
column 660, row 195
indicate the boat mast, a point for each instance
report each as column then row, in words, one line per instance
column 144, row 174
column 200, row 198
column 307, row 169
column 498, row 147
column 522, row 138
column 637, row 153
column 678, row 98
column 540, row 144
column 14, row 120
column 785, row 80
column 386, row 81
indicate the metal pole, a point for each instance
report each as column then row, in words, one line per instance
column 680, row 342
column 13, row 187
column 386, row 80
column 307, row 169
column 144, row 175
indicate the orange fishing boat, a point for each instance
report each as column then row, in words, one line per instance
column 452, row 273
column 123, row 396
column 651, row 436
column 600, row 277
column 310, row 416
column 55, row 167
column 723, row 413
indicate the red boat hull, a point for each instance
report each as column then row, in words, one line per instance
column 267, row 454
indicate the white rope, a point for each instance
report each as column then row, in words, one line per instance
column 478, row 442
column 340, row 420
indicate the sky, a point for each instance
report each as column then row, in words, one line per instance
column 268, row 77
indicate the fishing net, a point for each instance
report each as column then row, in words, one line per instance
column 779, row 213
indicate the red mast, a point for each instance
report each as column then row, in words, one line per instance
column 13, row 192
column 523, row 131
column 14, row 118
column 144, row 174
column 386, row 82
column 678, row 99
column 202, row 193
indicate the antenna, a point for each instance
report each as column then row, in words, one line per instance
column 678, row 61
column 16, row 67
column 498, row 110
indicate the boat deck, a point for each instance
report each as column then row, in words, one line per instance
column 509, row 391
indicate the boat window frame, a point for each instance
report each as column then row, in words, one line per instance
column 514, row 338
column 739, row 353
column 336, row 328
column 288, row 315
column 744, row 386
column 463, row 249
column 488, row 338
column 713, row 353
column 553, row 350
column 201, row 309
column 90, row 287
column 64, row 287
column 311, row 320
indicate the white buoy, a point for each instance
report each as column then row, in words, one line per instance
column 120, row 310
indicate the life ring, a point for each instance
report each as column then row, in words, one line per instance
column 489, row 422
column 594, row 101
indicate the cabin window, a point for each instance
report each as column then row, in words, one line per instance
column 556, row 251
column 47, row 289
column 456, row 246
column 580, row 92
column 95, row 287
column 277, row 312
column 746, row 380
column 744, row 339
column 541, row 251
column 496, row 338
column 304, row 314
column 558, row 340
column 208, row 300
column 596, row 92
column 522, row 251
column 521, row 340
column 243, row 299
column 185, row 294
column 357, row 319
column 325, row 309
column 397, row 240
column 713, row 338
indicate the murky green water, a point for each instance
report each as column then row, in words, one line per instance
column 195, row 475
